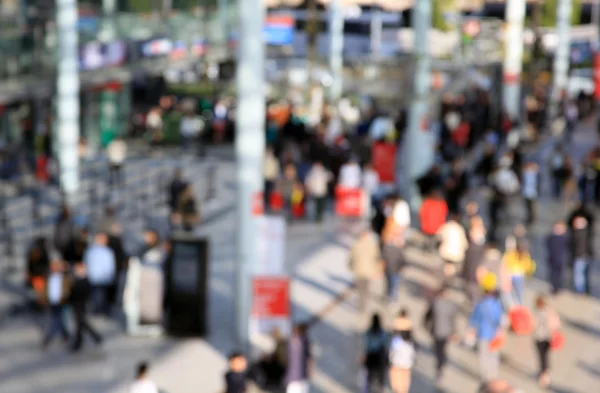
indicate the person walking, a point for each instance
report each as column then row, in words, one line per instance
column 530, row 190
column 453, row 246
column 317, row 185
column 547, row 323
column 440, row 320
column 392, row 240
column 78, row 299
column 299, row 361
column 271, row 173
column 484, row 325
column 176, row 187
column 557, row 246
column 188, row 210
column 365, row 264
column 581, row 234
column 375, row 359
column 402, row 359
column 117, row 154
column 350, row 175
column 519, row 265
column 473, row 261
column 64, row 230
column 101, row 266
column 56, row 294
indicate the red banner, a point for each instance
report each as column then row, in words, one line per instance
column 597, row 75
column 349, row 202
column 270, row 297
column 384, row 161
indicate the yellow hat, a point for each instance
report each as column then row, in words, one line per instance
column 489, row 282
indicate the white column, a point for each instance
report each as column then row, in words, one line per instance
column 376, row 33
column 513, row 57
column 336, row 49
column 249, row 146
column 562, row 54
column 67, row 118
column 417, row 147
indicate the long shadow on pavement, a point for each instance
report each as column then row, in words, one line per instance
column 581, row 327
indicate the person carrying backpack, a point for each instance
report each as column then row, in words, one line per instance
column 375, row 359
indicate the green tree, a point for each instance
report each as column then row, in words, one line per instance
column 549, row 13
column 440, row 8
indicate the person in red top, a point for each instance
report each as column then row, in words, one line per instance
column 434, row 211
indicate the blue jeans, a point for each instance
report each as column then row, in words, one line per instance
column 518, row 284
column 100, row 299
column 580, row 275
column 393, row 284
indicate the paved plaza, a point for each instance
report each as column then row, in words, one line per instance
column 317, row 258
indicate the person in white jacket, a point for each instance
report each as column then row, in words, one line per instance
column 350, row 175
column 454, row 244
column 317, row 185
column 117, row 154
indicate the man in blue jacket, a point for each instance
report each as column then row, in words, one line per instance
column 484, row 325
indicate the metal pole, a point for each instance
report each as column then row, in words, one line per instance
column 223, row 7
column 416, row 151
column 376, row 33
column 336, row 52
column 596, row 22
column 561, row 56
column 249, row 146
column 67, row 132
column 513, row 58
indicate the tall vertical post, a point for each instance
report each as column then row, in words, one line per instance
column 67, row 125
column 513, row 58
column 223, row 11
column 415, row 149
column 336, row 49
column 562, row 54
column 249, row 146
column 376, row 33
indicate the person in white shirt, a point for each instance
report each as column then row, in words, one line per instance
column 142, row 383
column 154, row 124
column 370, row 181
column 190, row 129
column 350, row 175
column 317, row 184
column 117, row 154
column 55, row 296
column 454, row 244
column 401, row 212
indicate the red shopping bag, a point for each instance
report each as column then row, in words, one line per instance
column 557, row 341
column 521, row 320
column 41, row 168
column 497, row 342
column 349, row 202
column 298, row 210
column 276, row 201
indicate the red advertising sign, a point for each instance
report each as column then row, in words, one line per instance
column 597, row 75
column 384, row 161
column 270, row 297
column 349, row 202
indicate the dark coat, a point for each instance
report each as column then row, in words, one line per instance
column 558, row 251
column 473, row 259
column 80, row 293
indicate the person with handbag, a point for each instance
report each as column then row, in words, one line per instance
column 547, row 324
